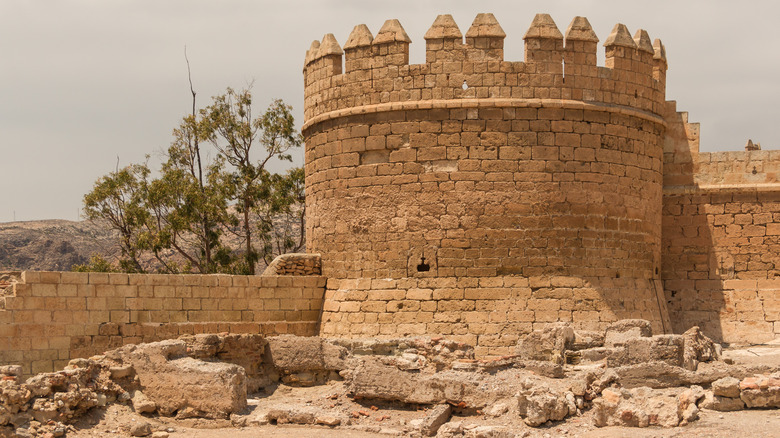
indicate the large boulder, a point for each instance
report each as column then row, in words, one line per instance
column 244, row 350
column 638, row 407
column 537, row 404
column 761, row 391
column 726, row 387
column 663, row 348
column 304, row 361
column 619, row 332
column 547, row 344
column 715, row 402
column 374, row 379
column 183, row 385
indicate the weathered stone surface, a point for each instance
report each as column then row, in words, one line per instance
column 547, row 344
column 761, row 391
column 687, row 401
column 11, row 370
column 290, row 353
column 638, row 407
column 142, row 404
column 538, row 403
column 141, row 429
column 542, row 368
column 621, row 331
column 584, row 339
column 435, row 418
column 184, row 385
column 662, row 348
column 374, row 379
column 726, row 387
column 291, row 415
column 719, row 403
column 698, row 348
column 244, row 350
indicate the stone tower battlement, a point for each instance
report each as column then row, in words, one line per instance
column 475, row 197
column 376, row 71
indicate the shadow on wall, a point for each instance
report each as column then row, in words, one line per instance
column 719, row 253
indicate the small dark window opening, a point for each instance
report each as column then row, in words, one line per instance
column 754, row 170
column 423, row 267
column 656, row 270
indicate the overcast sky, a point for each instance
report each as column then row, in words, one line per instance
column 84, row 82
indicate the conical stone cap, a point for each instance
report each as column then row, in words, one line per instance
column 642, row 40
column 360, row 37
column 543, row 26
column 659, row 51
column 329, row 46
column 391, row 31
column 485, row 25
column 312, row 52
column 443, row 27
column 580, row 30
column 620, row 37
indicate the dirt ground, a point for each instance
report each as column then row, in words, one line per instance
column 374, row 419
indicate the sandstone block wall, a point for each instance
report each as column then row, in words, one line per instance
column 55, row 316
column 721, row 238
column 445, row 197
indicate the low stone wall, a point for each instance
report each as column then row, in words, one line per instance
column 732, row 311
column 52, row 317
column 721, row 266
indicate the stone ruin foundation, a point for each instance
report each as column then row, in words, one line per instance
column 623, row 376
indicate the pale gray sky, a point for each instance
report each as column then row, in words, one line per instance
column 85, row 81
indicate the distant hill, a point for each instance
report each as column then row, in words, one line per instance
column 57, row 245
column 53, row 245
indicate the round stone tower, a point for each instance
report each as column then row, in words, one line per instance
column 474, row 197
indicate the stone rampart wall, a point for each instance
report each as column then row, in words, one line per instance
column 721, row 262
column 55, row 316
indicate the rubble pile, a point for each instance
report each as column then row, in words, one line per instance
column 419, row 386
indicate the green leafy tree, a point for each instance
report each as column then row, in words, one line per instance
column 194, row 200
column 283, row 215
column 248, row 144
column 118, row 199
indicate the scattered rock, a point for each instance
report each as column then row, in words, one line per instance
column 434, row 419
column 638, row 407
column 538, row 404
column 328, row 420
column 142, row 404
column 698, row 348
column 719, row 403
column 726, row 387
column 141, row 429
column 761, row 391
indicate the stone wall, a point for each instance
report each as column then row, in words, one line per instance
column 55, row 316
column 721, row 238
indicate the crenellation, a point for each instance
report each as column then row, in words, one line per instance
column 485, row 39
column 456, row 70
column 544, row 47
